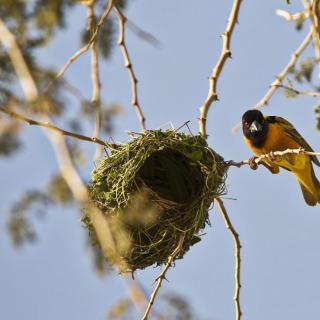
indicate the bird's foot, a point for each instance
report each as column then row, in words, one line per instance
column 252, row 163
column 271, row 156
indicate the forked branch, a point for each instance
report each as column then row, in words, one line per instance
column 86, row 47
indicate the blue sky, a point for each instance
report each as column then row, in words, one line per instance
column 279, row 233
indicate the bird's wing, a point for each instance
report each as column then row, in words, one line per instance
column 292, row 132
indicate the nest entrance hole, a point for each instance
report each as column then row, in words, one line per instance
column 170, row 175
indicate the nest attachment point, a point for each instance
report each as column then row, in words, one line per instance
column 154, row 189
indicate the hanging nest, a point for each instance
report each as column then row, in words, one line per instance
column 154, row 189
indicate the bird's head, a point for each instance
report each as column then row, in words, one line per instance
column 254, row 127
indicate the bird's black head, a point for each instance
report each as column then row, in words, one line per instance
column 255, row 127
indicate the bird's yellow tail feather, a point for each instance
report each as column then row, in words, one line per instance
column 310, row 186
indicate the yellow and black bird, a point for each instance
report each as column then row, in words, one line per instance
column 265, row 135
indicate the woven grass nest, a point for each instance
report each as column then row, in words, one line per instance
column 154, row 188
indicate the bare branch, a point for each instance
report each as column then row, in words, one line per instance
column 273, row 156
column 162, row 276
column 128, row 65
column 95, row 76
column 300, row 92
column 49, row 125
column 213, row 79
column 86, row 47
column 315, row 20
column 280, row 77
column 237, row 248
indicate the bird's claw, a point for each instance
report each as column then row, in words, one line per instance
column 271, row 156
column 252, row 163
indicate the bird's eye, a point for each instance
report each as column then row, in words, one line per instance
column 246, row 124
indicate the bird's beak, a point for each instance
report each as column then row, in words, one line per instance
column 255, row 126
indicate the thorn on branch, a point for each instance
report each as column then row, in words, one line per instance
column 216, row 71
column 162, row 275
column 128, row 66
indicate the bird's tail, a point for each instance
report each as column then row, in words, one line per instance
column 310, row 186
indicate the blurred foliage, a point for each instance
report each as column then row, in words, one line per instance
column 317, row 111
column 9, row 143
column 36, row 201
column 121, row 310
column 19, row 225
column 304, row 71
column 59, row 191
column 9, row 139
column 304, row 75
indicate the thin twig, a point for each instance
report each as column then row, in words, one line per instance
column 162, row 276
column 280, row 77
column 49, row 125
column 128, row 65
column 86, row 47
column 213, row 79
column 292, row 17
column 300, row 92
column 272, row 156
column 237, row 248
column 315, row 20
column 95, row 76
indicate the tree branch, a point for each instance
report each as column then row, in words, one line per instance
column 299, row 92
column 213, row 79
column 95, row 76
column 280, row 77
column 49, row 125
column 272, row 156
column 315, row 20
column 128, row 65
column 86, row 47
column 162, row 276
column 237, row 247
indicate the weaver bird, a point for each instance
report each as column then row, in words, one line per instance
column 265, row 135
